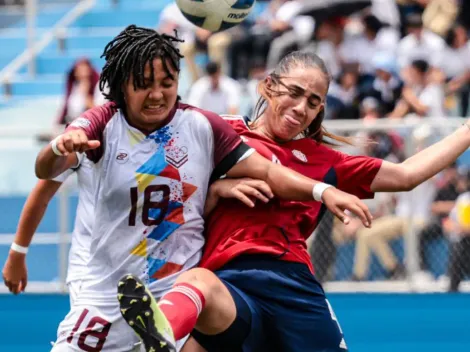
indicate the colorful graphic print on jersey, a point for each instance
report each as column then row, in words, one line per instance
column 165, row 214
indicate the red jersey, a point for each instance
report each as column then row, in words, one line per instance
column 280, row 227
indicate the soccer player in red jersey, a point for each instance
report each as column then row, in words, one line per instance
column 255, row 290
column 152, row 159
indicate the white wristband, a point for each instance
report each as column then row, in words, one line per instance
column 318, row 190
column 18, row 248
column 54, row 147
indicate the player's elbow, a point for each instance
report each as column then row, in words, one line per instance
column 407, row 181
column 40, row 172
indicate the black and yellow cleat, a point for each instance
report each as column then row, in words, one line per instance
column 141, row 311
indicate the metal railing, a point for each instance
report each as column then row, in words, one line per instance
column 28, row 56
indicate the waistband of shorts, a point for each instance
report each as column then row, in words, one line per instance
column 264, row 262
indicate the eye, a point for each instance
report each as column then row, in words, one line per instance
column 312, row 104
column 295, row 92
column 167, row 84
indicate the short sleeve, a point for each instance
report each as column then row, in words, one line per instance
column 356, row 173
column 93, row 122
column 227, row 145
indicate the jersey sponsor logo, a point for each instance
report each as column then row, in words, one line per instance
column 299, row 155
column 81, row 122
column 176, row 156
column 122, row 156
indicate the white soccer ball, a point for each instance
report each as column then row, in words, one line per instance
column 215, row 15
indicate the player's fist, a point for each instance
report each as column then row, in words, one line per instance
column 74, row 141
column 339, row 203
column 15, row 274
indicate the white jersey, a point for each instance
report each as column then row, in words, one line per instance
column 81, row 235
column 150, row 194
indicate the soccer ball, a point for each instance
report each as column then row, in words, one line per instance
column 215, row 15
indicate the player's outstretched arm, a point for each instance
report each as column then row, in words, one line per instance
column 60, row 154
column 423, row 165
column 288, row 184
column 15, row 274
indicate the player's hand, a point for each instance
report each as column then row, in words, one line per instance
column 246, row 190
column 15, row 273
column 75, row 141
column 339, row 202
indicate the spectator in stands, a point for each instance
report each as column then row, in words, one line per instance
column 449, row 188
column 252, row 49
column 458, row 227
column 423, row 92
column 81, row 82
column 387, row 85
column 377, row 38
column 195, row 38
column 329, row 42
column 419, row 44
column 300, row 33
column 215, row 91
column 388, row 224
column 456, row 65
column 370, row 109
column 343, row 95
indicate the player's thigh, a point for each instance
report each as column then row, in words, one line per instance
column 95, row 328
column 245, row 333
column 312, row 327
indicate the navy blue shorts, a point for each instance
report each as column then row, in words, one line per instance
column 280, row 307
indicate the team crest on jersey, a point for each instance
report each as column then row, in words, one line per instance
column 81, row 122
column 176, row 156
column 299, row 155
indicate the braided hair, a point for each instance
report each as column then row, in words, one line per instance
column 129, row 52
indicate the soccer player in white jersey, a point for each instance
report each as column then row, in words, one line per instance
column 15, row 270
column 153, row 160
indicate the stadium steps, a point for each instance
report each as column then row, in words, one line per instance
column 85, row 38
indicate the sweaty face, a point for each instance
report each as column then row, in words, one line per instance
column 148, row 108
column 302, row 97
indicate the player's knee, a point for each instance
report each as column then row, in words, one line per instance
column 204, row 280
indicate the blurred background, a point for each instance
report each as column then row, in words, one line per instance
column 400, row 78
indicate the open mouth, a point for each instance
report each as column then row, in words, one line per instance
column 154, row 108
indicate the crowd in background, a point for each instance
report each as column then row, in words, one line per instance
column 395, row 59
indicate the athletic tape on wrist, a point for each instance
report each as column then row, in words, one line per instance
column 318, row 190
column 18, row 248
column 54, row 147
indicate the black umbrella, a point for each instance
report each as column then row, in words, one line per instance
column 321, row 10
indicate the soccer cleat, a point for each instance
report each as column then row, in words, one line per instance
column 141, row 311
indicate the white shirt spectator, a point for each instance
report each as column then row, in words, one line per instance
column 359, row 49
column 433, row 97
column 327, row 51
column 171, row 16
column 428, row 47
column 303, row 26
column 416, row 204
column 454, row 62
column 386, row 11
column 220, row 100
